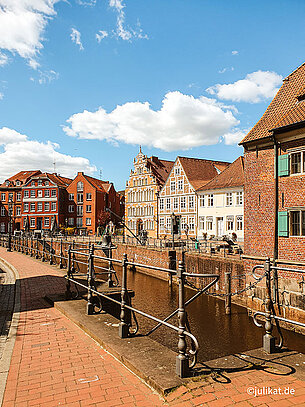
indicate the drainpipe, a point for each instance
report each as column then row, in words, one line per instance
column 276, row 208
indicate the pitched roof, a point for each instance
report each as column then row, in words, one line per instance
column 286, row 99
column 232, row 176
column 22, row 176
column 58, row 179
column 160, row 168
column 98, row 183
column 200, row 171
column 294, row 115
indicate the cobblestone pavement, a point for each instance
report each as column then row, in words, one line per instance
column 54, row 363
column 7, row 293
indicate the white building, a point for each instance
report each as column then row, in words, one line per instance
column 221, row 204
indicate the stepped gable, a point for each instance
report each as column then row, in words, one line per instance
column 286, row 106
column 232, row 176
column 200, row 171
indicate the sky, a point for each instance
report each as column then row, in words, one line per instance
column 83, row 83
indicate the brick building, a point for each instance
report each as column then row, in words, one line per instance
column 178, row 194
column 44, row 201
column 220, row 203
column 141, row 193
column 275, row 194
column 11, row 190
column 88, row 199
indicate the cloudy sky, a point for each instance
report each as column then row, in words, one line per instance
column 83, row 83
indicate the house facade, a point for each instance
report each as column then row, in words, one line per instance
column 10, row 191
column 221, row 204
column 141, row 194
column 178, row 195
column 44, row 201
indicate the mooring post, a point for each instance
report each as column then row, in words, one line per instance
column 182, row 360
column 123, row 327
column 228, row 280
column 68, row 285
column 268, row 339
column 61, row 255
column 90, row 281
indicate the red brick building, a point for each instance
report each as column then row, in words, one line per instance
column 11, row 190
column 88, row 199
column 44, row 202
column 275, row 194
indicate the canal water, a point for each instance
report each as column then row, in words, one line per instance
column 218, row 334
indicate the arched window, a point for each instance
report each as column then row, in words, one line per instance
column 80, row 186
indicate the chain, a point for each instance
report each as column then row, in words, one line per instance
column 249, row 287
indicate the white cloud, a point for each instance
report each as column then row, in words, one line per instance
column 3, row 59
column 226, row 69
column 182, row 122
column 20, row 153
column 47, row 77
column 235, row 136
column 101, row 35
column 90, row 3
column 235, row 52
column 256, row 87
column 22, row 24
column 76, row 38
column 1, row 96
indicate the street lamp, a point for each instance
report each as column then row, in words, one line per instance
column 10, row 212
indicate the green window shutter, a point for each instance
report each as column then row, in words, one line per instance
column 283, row 161
column 283, row 223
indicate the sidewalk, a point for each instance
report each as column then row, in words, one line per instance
column 54, row 363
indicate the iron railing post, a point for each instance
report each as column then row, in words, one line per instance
column 268, row 339
column 228, row 280
column 43, row 249
column 123, row 326
column 68, row 292
column 73, row 258
column 51, row 251
column 37, row 248
column 90, row 276
column 182, row 360
column 110, row 281
column 31, row 250
column 61, row 256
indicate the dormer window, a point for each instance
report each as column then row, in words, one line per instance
column 18, row 183
column 7, row 183
column 39, row 182
column 33, row 183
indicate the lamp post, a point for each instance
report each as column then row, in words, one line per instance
column 10, row 210
column 66, row 226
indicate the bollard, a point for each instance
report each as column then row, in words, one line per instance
column 123, row 327
column 228, row 280
column 61, row 256
column 68, row 292
column 182, row 360
column 90, row 279
column 268, row 339
column 43, row 248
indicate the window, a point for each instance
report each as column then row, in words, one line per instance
column 40, row 194
column 71, row 197
column 79, row 210
column 201, row 201
column 80, row 186
column 46, row 183
column 3, row 196
column 32, row 222
column 33, row 193
column 7, row 183
column 26, row 193
column 2, row 211
column 53, row 193
column 183, row 202
column 39, row 182
column 177, row 171
column 229, row 199
column 161, row 223
column 191, row 202
column 176, row 203
column 168, row 203
column 168, row 223
column 210, row 200
column 89, row 197
column 80, row 198
column 295, row 160
column 192, row 223
column 88, row 221
column 180, row 185
column 18, row 183
column 201, row 222
column 297, row 223
column 88, row 208
column 71, row 221
column 46, row 222
column 230, row 222
column 46, row 206
column 33, row 183
column 47, row 193
column 18, row 196
column 161, row 204
column 239, row 222
column 39, row 206
column 10, row 196
column 71, row 208
column 18, row 210
column 53, row 206
column 2, row 227
column 183, row 224
column 173, row 186
column 79, row 222
column 26, row 207
column 209, row 223
column 32, row 207
column 239, row 198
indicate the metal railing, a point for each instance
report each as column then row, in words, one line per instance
column 270, row 271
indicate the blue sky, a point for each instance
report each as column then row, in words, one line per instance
column 84, row 82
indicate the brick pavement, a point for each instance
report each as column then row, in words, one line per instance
column 54, row 363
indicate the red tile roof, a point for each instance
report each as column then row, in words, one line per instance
column 200, row 171
column 232, row 176
column 22, row 176
column 295, row 115
column 160, row 168
column 59, row 180
column 284, row 101
column 98, row 183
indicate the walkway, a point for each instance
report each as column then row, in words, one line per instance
column 54, row 363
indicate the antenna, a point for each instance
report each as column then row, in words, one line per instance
column 54, row 164
column 101, row 174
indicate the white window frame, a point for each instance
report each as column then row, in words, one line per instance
column 229, row 199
